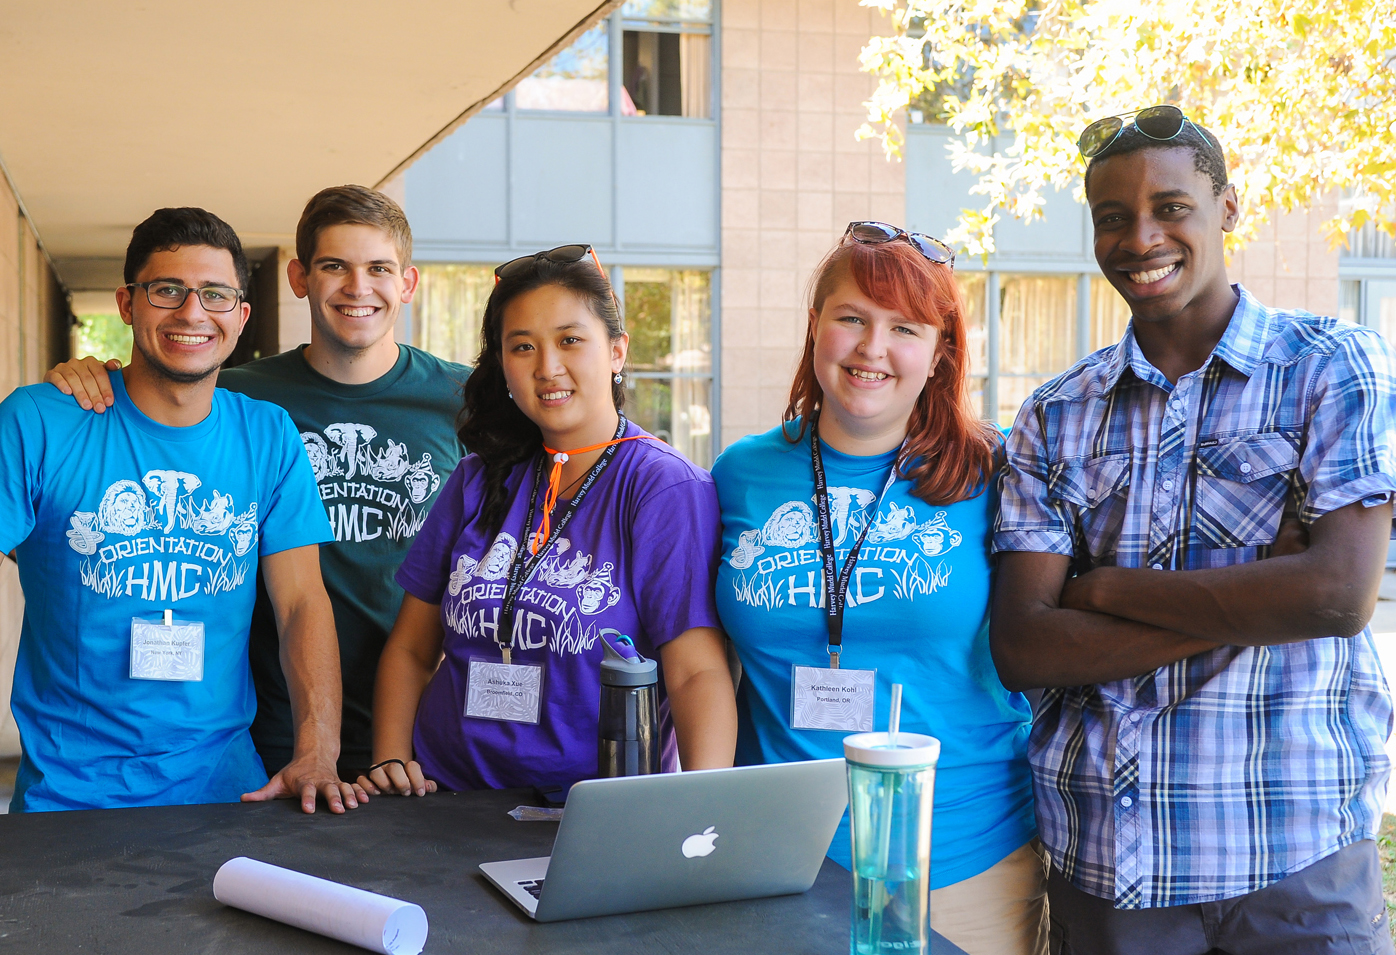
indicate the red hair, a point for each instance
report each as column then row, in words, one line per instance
column 949, row 454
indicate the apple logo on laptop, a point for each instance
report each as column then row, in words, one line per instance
column 700, row 844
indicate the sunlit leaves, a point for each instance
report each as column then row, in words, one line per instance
column 1304, row 102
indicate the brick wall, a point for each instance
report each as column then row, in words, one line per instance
column 1289, row 265
column 792, row 178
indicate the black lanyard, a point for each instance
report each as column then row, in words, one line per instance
column 522, row 568
column 836, row 584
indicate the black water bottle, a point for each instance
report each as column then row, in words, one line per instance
column 628, row 732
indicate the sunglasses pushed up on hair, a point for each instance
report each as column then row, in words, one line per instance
column 1160, row 123
column 563, row 253
column 877, row 233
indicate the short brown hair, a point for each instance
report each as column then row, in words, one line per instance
column 352, row 205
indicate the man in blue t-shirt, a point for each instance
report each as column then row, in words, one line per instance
column 378, row 422
column 138, row 536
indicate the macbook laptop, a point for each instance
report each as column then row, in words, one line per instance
column 651, row 842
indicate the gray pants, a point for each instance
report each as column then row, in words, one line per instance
column 1333, row 907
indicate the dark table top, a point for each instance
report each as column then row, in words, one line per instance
column 141, row 881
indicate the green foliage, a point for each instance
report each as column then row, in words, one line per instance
column 104, row 336
column 1303, row 102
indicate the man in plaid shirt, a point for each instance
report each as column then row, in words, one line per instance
column 1191, row 540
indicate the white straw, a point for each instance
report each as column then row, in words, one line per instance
column 894, row 720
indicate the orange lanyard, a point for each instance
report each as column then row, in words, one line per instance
column 555, row 483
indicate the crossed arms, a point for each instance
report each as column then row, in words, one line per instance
column 1115, row 623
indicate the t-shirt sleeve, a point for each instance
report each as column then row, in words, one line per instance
column 676, row 542
column 1350, row 449
column 1028, row 520
column 295, row 517
column 22, row 437
column 426, row 570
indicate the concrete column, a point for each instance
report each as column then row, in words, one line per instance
column 293, row 317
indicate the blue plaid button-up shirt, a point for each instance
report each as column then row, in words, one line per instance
column 1222, row 773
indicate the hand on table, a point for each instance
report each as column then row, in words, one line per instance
column 393, row 779
column 306, row 777
column 86, row 379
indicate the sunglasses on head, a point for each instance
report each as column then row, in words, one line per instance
column 876, row 233
column 1160, row 123
column 563, row 253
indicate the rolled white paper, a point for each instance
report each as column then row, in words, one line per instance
column 366, row 919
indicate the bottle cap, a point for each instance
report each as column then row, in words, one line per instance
column 875, row 749
column 623, row 665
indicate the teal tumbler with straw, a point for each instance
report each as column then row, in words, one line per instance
column 891, row 785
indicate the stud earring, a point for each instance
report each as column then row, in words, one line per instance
column 618, row 378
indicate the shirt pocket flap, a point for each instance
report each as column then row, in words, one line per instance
column 1248, row 458
column 1088, row 482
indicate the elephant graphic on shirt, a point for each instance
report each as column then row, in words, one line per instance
column 844, row 516
column 166, row 485
column 352, row 440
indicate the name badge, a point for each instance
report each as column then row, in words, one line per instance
column 170, row 650
column 827, row 699
column 512, row 692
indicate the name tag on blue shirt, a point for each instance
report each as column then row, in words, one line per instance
column 826, row 699
column 170, row 650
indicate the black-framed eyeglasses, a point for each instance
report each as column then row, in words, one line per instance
column 1161, row 123
column 876, row 233
column 563, row 253
column 214, row 298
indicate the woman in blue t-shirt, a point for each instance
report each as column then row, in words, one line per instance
column 908, row 484
column 566, row 526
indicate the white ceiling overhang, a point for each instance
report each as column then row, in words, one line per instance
column 111, row 110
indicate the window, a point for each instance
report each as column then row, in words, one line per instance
column 575, row 80
column 1037, row 316
column 668, row 314
column 669, row 388
column 1350, row 301
column 972, row 290
column 667, row 52
column 1109, row 315
column 447, row 310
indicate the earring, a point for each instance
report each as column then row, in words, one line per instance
column 618, row 378
column 510, row 394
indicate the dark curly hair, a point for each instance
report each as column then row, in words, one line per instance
column 491, row 424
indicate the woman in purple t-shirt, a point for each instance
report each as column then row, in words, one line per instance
column 566, row 524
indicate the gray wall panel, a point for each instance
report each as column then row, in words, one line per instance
column 561, row 189
column 935, row 195
column 666, row 187
column 457, row 192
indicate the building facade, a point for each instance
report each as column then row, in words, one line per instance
column 707, row 150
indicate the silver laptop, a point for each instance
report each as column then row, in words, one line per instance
column 652, row 842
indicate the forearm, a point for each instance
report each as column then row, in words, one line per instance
column 705, row 719
column 310, row 661
column 1052, row 647
column 402, row 678
column 1267, row 602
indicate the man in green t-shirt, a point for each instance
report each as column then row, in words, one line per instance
column 378, row 422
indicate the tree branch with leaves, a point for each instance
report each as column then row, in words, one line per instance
column 1303, row 99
